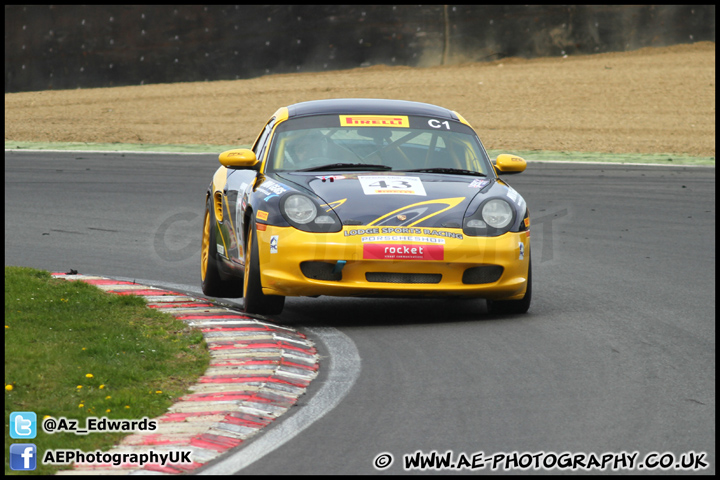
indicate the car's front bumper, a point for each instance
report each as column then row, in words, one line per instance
column 282, row 250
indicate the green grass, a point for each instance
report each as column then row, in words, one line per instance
column 582, row 157
column 117, row 147
column 73, row 351
column 529, row 155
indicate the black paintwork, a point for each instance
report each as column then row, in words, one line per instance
column 368, row 106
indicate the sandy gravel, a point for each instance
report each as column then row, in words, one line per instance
column 654, row 100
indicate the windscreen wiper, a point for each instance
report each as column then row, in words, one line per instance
column 456, row 171
column 346, row 166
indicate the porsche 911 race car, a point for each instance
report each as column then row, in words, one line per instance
column 365, row 197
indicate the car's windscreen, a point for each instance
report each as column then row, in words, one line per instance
column 346, row 142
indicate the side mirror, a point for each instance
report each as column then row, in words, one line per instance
column 507, row 164
column 238, row 158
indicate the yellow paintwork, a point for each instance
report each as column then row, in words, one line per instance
column 218, row 184
column 507, row 163
column 281, row 114
column 219, row 179
column 334, row 204
column 238, row 158
column 281, row 274
column 281, row 146
column 205, row 250
column 450, row 202
column 232, row 227
column 462, row 119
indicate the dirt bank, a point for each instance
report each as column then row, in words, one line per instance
column 654, row 100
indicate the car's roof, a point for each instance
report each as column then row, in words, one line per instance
column 368, row 106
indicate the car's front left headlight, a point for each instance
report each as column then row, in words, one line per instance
column 304, row 214
column 497, row 213
column 494, row 217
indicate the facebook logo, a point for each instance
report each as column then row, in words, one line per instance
column 23, row 456
column 23, row 425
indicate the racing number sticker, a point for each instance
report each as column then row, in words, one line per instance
column 438, row 124
column 391, row 185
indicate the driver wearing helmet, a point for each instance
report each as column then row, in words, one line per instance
column 309, row 146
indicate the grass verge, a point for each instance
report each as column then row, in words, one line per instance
column 529, row 155
column 675, row 159
column 74, row 351
column 120, row 147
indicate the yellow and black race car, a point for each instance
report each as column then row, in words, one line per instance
column 365, row 197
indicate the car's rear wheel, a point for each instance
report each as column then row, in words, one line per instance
column 255, row 300
column 514, row 306
column 211, row 282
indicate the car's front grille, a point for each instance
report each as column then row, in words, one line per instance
column 390, row 277
column 320, row 271
column 483, row 274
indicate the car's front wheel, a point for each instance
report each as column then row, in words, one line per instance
column 211, row 282
column 255, row 300
column 513, row 306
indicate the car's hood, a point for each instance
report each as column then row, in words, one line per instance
column 393, row 198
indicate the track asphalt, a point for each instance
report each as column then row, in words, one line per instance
column 592, row 232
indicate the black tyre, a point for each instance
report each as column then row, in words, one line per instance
column 210, row 279
column 513, row 306
column 255, row 300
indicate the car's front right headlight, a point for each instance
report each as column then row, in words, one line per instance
column 300, row 209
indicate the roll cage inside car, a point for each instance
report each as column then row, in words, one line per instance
column 314, row 142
